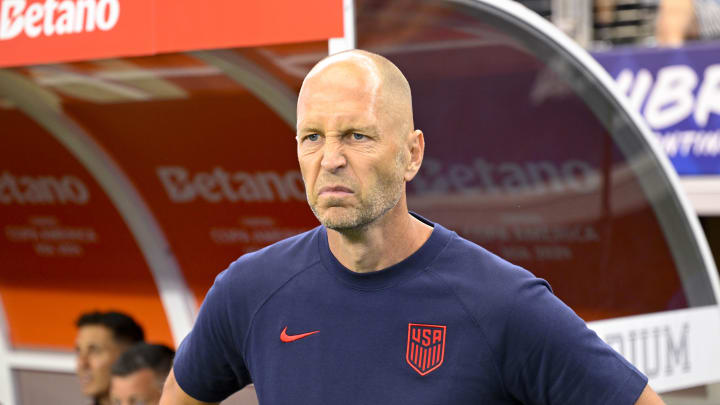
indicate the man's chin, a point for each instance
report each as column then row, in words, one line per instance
column 92, row 391
column 340, row 225
column 335, row 219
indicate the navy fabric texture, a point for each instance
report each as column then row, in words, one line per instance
column 495, row 333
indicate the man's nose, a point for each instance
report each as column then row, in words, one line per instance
column 82, row 361
column 333, row 157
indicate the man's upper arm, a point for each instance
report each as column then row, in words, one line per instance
column 208, row 365
column 174, row 395
column 649, row 397
column 550, row 356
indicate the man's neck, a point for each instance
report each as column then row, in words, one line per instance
column 385, row 242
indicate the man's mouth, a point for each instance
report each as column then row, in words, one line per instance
column 334, row 191
column 85, row 379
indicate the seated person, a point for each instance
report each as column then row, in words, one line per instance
column 679, row 20
column 101, row 338
column 138, row 375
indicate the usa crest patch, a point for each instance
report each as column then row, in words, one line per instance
column 425, row 347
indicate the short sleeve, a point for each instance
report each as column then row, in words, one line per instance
column 552, row 357
column 208, row 366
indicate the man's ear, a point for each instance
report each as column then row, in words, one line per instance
column 416, row 147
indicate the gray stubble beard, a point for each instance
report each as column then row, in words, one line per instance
column 370, row 210
column 361, row 217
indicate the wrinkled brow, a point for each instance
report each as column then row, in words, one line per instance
column 369, row 129
column 309, row 130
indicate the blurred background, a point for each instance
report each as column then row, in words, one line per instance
column 579, row 139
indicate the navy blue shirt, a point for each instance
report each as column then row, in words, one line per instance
column 451, row 324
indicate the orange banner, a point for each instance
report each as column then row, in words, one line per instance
column 64, row 248
column 47, row 31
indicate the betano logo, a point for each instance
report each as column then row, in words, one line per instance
column 216, row 186
column 539, row 177
column 56, row 18
column 42, row 190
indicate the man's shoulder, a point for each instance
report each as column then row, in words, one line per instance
column 300, row 248
column 463, row 259
column 272, row 265
column 482, row 280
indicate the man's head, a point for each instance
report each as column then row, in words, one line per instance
column 139, row 373
column 357, row 145
column 102, row 337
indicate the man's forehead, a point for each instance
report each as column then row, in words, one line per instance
column 341, row 80
column 337, row 121
column 346, row 60
column 339, row 106
column 142, row 377
column 90, row 334
column 340, row 83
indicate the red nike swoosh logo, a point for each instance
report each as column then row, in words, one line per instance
column 291, row 338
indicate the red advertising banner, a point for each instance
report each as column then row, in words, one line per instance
column 216, row 166
column 47, row 31
column 64, row 248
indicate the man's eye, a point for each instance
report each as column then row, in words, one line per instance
column 358, row 137
column 312, row 137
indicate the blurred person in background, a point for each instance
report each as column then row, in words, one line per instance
column 679, row 20
column 139, row 373
column 101, row 338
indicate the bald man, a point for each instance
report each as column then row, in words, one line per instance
column 379, row 305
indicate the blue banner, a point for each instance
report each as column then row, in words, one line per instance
column 677, row 91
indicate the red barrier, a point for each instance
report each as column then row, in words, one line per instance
column 45, row 31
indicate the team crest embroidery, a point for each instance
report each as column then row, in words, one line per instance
column 425, row 347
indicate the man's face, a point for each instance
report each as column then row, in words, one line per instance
column 96, row 350
column 139, row 388
column 349, row 153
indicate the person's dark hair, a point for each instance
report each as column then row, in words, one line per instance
column 158, row 358
column 124, row 328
